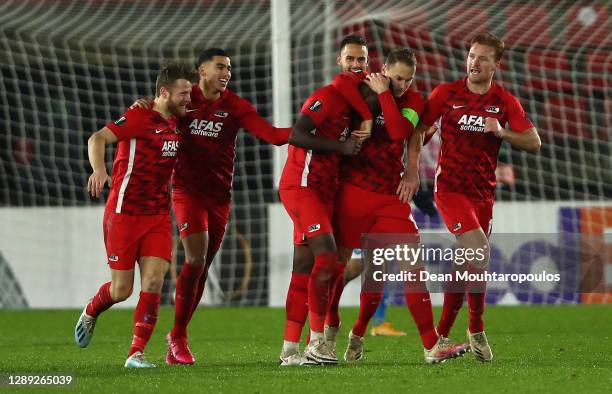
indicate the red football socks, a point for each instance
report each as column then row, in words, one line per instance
column 368, row 302
column 476, row 300
column 333, row 317
column 454, row 295
column 322, row 276
column 101, row 301
column 418, row 301
column 186, row 287
column 296, row 306
column 199, row 293
column 145, row 317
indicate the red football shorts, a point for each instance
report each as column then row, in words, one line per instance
column 359, row 211
column 310, row 214
column 462, row 214
column 198, row 214
column 129, row 237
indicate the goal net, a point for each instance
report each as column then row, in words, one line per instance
column 70, row 66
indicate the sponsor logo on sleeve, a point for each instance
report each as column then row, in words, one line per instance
column 314, row 107
column 120, row 121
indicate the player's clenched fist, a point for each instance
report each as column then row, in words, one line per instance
column 96, row 182
column 492, row 126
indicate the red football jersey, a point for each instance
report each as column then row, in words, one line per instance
column 205, row 164
column 379, row 166
column 319, row 170
column 145, row 156
column 468, row 155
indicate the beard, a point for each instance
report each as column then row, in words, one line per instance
column 176, row 109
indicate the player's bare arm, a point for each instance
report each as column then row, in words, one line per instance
column 410, row 182
column 365, row 130
column 528, row 140
column 95, row 150
column 303, row 138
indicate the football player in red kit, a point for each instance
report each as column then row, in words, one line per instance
column 476, row 116
column 368, row 202
column 137, row 225
column 353, row 56
column 202, row 182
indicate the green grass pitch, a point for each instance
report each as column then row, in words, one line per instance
column 557, row 349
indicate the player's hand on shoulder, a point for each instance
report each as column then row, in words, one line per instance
column 96, row 182
column 492, row 126
column 377, row 82
column 365, row 130
column 408, row 186
column 141, row 103
column 351, row 146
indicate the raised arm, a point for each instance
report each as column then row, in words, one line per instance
column 399, row 122
column 252, row 121
column 347, row 84
column 302, row 137
column 95, row 150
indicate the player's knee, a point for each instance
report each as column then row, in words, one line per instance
column 121, row 291
column 479, row 255
column 196, row 261
column 303, row 260
column 302, row 266
column 152, row 283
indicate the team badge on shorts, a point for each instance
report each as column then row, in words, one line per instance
column 314, row 227
column 183, row 226
column 113, row 258
column 456, row 226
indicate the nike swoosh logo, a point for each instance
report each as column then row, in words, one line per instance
column 191, row 110
column 458, row 106
column 158, row 131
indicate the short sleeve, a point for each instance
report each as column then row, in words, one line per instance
column 132, row 124
column 318, row 106
column 434, row 106
column 516, row 116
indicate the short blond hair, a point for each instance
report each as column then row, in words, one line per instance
column 488, row 39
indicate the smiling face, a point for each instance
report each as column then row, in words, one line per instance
column 216, row 73
column 353, row 57
column 481, row 64
column 178, row 97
